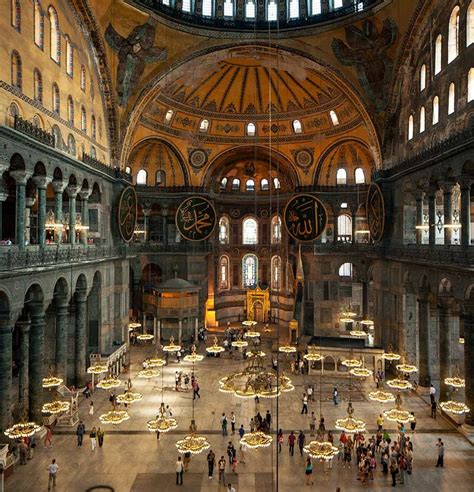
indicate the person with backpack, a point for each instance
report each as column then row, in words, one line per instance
column 224, row 424
column 291, row 443
column 80, row 431
column 309, row 471
column 211, row 463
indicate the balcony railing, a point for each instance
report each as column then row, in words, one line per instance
column 33, row 131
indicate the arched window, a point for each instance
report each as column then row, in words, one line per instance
column 276, row 273
column 250, row 9
column 359, row 176
column 410, row 127
column 271, row 10
column 38, row 24
column 223, row 183
column 294, row 9
column 142, row 177
column 438, row 51
column 264, row 184
column 93, row 152
column 186, row 6
column 83, row 77
column 315, row 7
column 344, row 205
column 71, row 145
column 55, row 35
column 160, row 177
column 38, row 86
column 37, row 121
column 207, row 8
column 16, row 70
column 422, row 77
column 341, row 176
column 13, row 110
column 228, row 8
column 345, row 270
column 224, row 228
column 169, row 115
column 249, row 271
column 297, row 128
column 334, row 118
column 251, row 129
column 435, row 110
column 249, row 231
column 470, row 85
column 422, row 119
column 344, row 228
column 276, row 183
column 83, row 119
column 276, row 230
column 93, row 128
column 69, row 57
column 224, row 273
column 451, row 98
column 453, row 34
column 204, row 126
column 128, row 170
column 56, row 100
column 338, row 4
column 16, row 14
column 236, row 184
column 250, row 185
column 470, row 24
column 70, row 110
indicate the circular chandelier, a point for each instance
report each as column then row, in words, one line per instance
column 172, row 347
column 455, row 382
column 352, row 363
column 215, row 348
column 155, row 362
column 55, row 407
column 348, row 314
column 193, row 357
column 399, row 384
column 97, row 369
column 358, row 333
column 407, row 368
column 399, row 415
column 367, row 322
column 22, row 429
column 239, row 343
column 252, row 334
column 361, row 372
column 391, row 356
column 313, row 355
column 287, row 349
column 145, row 337
column 129, row 397
column 114, row 417
column 134, row 326
column 256, row 353
column 382, row 396
column 108, row 383
column 350, row 425
column 321, row 450
column 456, row 407
column 256, row 439
column 249, row 322
column 346, row 320
column 148, row 373
column 193, row 443
column 461, row 340
column 51, row 382
column 162, row 424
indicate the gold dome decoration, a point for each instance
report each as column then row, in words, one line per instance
column 351, row 363
column 252, row 334
column 249, row 322
column 155, row 362
column 22, row 429
column 398, row 415
column 162, row 424
column 346, row 320
column 239, row 343
column 193, row 443
column 350, row 425
column 367, row 322
column 391, row 356
column 358, row 333
column 407, row 368
column 461, row 340
column 313, row 355
column 145, row 337
column 287, row 349
column 361, row 372
column 256, row 353
column 256, row 439
column 133, row 326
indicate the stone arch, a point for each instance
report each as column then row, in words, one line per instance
column 445, row 286
column 17, row 163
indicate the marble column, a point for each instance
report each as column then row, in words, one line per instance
column 164, row 213
column 432, row 216
column 6, row 362
column 58, row 187
column 81, row 338
column 72, row 193
column 61, row 312
column 447, row 211
column 419, row 217
column 466, row 213
column 424, row 341
column 29, row 202
column 84, row 195
column 3, row 197
column 469, row 361
column 146, row 225
column 36, row 359
column 20, row 178
column 445, row 347
column 41, row 183
column 23, row 369
column 180, row 330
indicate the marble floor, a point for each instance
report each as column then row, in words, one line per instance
column 133, row 460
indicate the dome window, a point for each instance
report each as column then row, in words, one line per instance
column 250, row 185
column 251, row 129
column 169, row 115
column 223, row 183
column 297, row 128
column 204, row 126
column 276, row 183
column 236, row 184
column 334, row 118
column 264, row 185
column 250, row 9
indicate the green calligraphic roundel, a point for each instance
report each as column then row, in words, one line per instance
column 196, row 218
column 127, row 213
column 375, row 212
column 305, row 217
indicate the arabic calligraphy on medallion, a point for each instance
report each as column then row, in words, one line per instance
column 375, row 212
column 305, row 217
column 196, row 218
column 127, row 213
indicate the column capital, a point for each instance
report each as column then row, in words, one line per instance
column 85, row 194
column 446, row 186
column 465, row 182
column 81, row 295
column 58, row 185
column 146, row 212
column 30, row 201
column 41, row 182
column 72, row 190
column 36, row 308
column 20, row 176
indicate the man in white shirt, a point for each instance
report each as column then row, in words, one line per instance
column 230, row 488
column 53, row 470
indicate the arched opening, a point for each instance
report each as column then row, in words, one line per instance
column 453, row 34
column 344, row 228
column 249, row 271
column 224, row 273
column 55, row 35
column 224, row 230
column 249, row 231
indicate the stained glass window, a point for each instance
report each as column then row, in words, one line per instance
column 249, row 271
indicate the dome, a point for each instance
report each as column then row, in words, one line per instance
column 176, row 284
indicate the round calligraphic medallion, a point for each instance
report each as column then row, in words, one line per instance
column 196, row 218
column 127, row 213
column 305, row 217
column 375, row 212
column 197, row 158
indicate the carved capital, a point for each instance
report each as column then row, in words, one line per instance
column 58, row 185
column 20, row 176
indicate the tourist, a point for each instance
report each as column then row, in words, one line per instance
column 52, row 470
column 380, row 422
column 176, row 380
column 100, row 437
column 413, row 422
column 268, row 419
column 301, row 441
column 322, row 427
column 221, row 467
column 409, row 459
column 291, row 443
column 211, row 462
column 252, row 424
column 242, row 449
column 348, row 446
column 224, row 424
column 231, row 452
column 312, row 424
column 280, row 440
column 93, row 436
column 195, row 386
column 48, row 437
column 23, row 452
column 309, row 392
column 432, row 391
column 186, row 382
column 179, row 471
column 241, row 431
column 91, row 408
column 80, row 431
column 335, row 396
column 234, row 462
column 309, row 471
column 232, row 422
column 305, row 404
column 402, row 466
column 440, row 446
column 186, row 460
column 230, row 488
column 433, row 408
column 393, row 470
